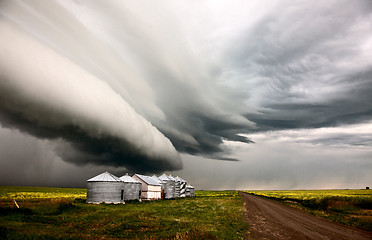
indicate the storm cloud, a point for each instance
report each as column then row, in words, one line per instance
column 136, row 84
column 51, row 98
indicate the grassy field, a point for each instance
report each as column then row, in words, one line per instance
column 350, row 207
column 58, row 213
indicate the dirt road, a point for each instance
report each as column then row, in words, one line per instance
column 269, row 219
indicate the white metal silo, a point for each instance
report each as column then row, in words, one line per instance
column 106, row 188
column 169, row 186
column 132, row 188
column 190, row 191
column 182, row 184
column 162, row 184
column 177, row 185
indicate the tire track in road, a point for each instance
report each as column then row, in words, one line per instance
column 270, row 219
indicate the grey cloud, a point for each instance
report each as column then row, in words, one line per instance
column 174, row 80
column 306, row 66
column 84, row 149
column 138, row 70
column 52, row 103
column 350, row 107
column 282, row 166
column 29, row 161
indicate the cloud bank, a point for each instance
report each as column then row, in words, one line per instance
column 133, row 84
column 49, row 97
column 322, row 158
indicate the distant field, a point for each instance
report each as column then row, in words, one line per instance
column 23, row 193
column 61, row 213
column 351, row 207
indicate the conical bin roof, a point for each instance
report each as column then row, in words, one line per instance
column 128, row 179
column 164, row 177
column 179, row 179
column 171, row 178
column 104, row 177
column 158, row 180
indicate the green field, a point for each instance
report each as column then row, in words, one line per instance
column 350, row 207
column 61, row 213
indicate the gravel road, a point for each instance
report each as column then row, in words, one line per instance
column 270, row 219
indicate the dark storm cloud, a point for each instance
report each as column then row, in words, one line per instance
column 162, row 81
column 67, row 102
column 130, row 84
column 349, row 107
column 83, row 149
column 209, row 134
column 308, row 64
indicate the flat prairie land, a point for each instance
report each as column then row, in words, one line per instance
column 61, row 213
column 350, row 207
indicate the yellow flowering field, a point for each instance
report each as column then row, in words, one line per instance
column 314, row 194
column 28, row 193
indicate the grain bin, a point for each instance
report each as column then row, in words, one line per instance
column 132, row 188
column 106, row 188
column 161, row 184
column 190, row 191
column 158, row 180
column 182, row 184
column 168, row 186
column 177, row 185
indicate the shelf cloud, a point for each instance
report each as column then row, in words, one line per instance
column 49, row 97
column 136, row 84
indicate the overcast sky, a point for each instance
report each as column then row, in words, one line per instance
column 227, row 94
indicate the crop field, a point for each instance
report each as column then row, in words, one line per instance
column 23, row 193
column 61, row 213
column 350, row 207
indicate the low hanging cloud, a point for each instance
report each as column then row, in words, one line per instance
column 126, row 104
column 47, row 96
column 133, row 84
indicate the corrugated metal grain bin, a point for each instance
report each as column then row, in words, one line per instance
column 177, row 185
column 182, row 183
column 169, row 186
column 106, row 188
column 190, row 191
column 132, row 188
column 162, row 184
column 158, row 180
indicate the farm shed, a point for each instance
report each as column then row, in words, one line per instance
column 190, row 191
column 168, row 186
column 106, row 188
column 151, row 189
column 182, row 184
column 132, row 188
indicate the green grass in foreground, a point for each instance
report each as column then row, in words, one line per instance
column 350, row 207
column 209, row 215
